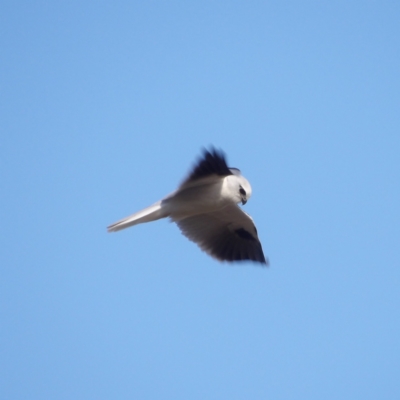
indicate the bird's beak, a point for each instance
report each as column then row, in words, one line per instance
column 244, row 201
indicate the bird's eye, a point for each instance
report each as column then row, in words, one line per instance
column 242, row 191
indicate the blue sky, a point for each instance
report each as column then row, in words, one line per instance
column 105, row 107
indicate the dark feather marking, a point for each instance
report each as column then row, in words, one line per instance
column 223, row 248
column 212, row 163
column 244, row 234
column 255, row 252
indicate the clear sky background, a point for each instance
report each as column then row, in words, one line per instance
column 104, row 108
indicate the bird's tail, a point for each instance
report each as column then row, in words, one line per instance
column 148, row 214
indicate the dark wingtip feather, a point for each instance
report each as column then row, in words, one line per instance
column 212, row 162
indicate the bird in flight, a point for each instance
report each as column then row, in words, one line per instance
column 205, row 208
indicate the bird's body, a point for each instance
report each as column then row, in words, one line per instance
column 205, row 209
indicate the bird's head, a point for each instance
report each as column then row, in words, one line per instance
column 240, row 188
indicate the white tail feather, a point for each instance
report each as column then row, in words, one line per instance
column 148, row 214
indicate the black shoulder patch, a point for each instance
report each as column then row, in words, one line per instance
column 244, row 234
column 212, row 163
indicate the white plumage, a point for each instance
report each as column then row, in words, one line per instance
column 205, row 208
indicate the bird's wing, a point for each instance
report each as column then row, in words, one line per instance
column 227, row 235
column 211, row 166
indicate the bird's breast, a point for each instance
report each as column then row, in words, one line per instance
column 195, row 200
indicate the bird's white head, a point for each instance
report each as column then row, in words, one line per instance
column 239, row 188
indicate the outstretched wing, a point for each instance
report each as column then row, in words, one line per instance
column 212, row 163
column 227, row 235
